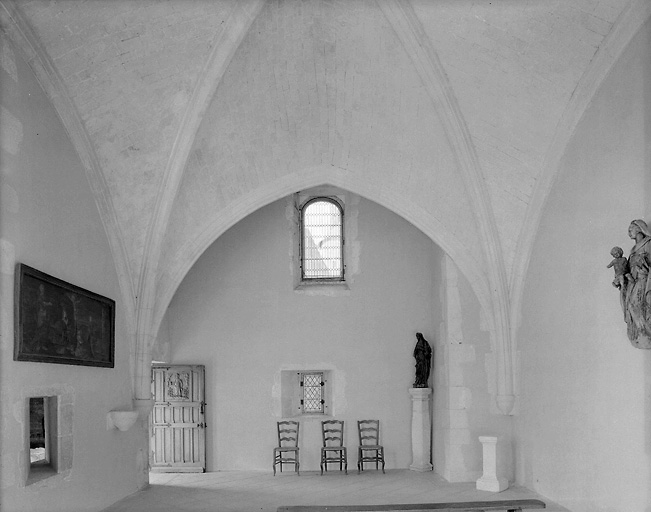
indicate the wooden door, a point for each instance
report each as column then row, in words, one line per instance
column 177, row 441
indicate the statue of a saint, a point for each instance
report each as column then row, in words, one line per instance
column 423, row 355
column 635, row 286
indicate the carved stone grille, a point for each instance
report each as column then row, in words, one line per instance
column 313, row 401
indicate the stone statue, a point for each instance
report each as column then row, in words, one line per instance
column 423, row 355
column 634, row 284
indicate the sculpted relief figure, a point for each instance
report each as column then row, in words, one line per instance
column 632, row 279
column 178, row 385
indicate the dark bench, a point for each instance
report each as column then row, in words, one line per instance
column 464, row 506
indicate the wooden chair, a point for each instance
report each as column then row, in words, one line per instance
column 370, row 449
column 287, row 450
column 333, row 449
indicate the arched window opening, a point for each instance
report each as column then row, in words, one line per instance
column 322, row 240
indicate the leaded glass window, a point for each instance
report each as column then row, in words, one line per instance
column 313, row 400
column 322, row 240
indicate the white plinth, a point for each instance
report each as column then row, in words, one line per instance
column 489, row 481
column 421, row 429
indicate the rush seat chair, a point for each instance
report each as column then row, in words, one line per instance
column 370, row 449
column 287, row 450
column 333, row 449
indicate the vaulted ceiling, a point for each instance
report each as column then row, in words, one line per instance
column 190, row 114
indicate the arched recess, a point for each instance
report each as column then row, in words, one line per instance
column 629, row 23
column 374, row 191
column 323, row 175
column 157, row 284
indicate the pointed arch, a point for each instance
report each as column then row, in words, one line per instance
column 320, row 175
column 629, row 23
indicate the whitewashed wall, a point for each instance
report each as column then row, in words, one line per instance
column 237, row 313
column 49, row 221
column 584, row 429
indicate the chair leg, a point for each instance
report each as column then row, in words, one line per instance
column 297, row 464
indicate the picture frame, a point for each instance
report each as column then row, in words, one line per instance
column 58, row 322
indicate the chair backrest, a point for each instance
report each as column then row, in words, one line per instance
column 288, row 433
column 333, row 432
column 369, row 432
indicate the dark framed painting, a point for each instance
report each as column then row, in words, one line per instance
column 58, row 322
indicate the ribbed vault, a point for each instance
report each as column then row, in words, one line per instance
column 190, row 115
column 340, row 112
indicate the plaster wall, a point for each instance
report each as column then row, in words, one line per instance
column 583, row 433
column 49, row 221
column 238, row 313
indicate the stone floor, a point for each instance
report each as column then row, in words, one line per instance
column 231, row 491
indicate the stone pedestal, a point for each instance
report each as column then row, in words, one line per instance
column 489, row 481
column 421, row 429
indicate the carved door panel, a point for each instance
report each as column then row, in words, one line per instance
column 177, row 441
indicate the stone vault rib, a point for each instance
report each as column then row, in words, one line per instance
column 226, row 43
column 634, row 16
column 402, row 17
column 19, row 31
